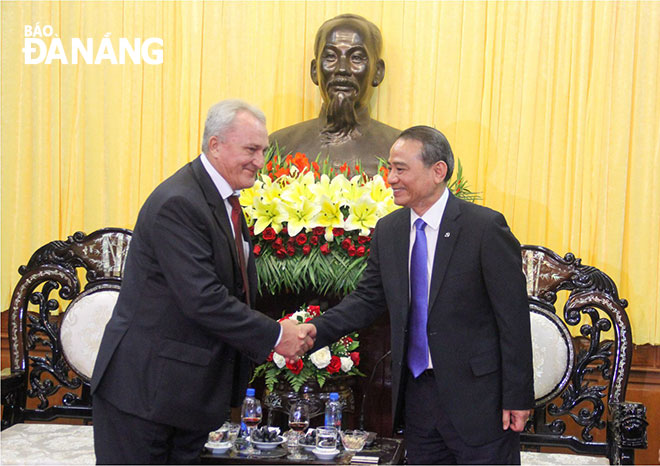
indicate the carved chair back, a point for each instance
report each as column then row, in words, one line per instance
column 580, row 381
column 52, row 352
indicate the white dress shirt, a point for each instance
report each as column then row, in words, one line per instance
column 432, row 218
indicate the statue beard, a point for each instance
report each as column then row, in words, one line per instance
column 341, row 120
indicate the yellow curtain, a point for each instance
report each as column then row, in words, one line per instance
column 552, row 107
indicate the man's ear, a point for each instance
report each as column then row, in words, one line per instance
column 379, row 74
column 214, row 144
column 313, row 72
column 440, row 171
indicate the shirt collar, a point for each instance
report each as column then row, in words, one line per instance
column 220, row 183
column 433, row 216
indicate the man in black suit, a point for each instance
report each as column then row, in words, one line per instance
column 175, row 353
column 450, row 274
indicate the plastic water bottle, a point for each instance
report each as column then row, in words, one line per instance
column 333, row 411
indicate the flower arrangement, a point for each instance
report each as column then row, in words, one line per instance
column 340, row 358
column 311, row 224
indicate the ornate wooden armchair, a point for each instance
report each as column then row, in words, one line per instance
column 580, row 383
column 56, row 353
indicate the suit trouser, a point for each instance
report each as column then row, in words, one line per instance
column 122, row 438
column 432, row 439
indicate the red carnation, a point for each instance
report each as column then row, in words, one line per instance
column 362, row 239
column 290, row 250
column 318, row 230
column 314, row 310
column 285, row 231
column 268, row 234
column 301, row 238
column 290, row 241
column 306, row 249
column 278, row 244
column 347, row 243
column 314, row 240
column 335, row 365
column 281, row 253
column 337, row 231
column 270, row 357
column 355, row 357
column 297, row 366
column 351, row 251
column 361, row 250
column 256, row 250
column 325, row 249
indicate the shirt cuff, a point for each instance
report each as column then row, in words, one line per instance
column 279, row 337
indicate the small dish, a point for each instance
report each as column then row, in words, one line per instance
column 309, row 448
column 218, row 448
column 268, row 445
column 325, row 455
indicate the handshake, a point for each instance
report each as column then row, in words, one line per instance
column 296, row 339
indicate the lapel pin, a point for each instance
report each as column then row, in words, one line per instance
column 447, row 235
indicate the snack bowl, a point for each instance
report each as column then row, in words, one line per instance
column 268, row 445
column 353, row 440
column 325, row 455
column 218, row 448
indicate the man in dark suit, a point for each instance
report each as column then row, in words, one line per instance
column 450, row 274
column 175, row 353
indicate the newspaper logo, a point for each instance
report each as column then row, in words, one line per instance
column 43, row 46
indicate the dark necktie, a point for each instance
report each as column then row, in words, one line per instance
column 418, row 360
column 236, row 213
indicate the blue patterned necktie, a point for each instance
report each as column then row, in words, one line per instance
column 418, row 345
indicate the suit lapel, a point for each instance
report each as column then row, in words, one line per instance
column 216, row 203
column 447, row 237
column 399, row 244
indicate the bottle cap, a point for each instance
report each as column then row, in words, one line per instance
column 334, row 396
column 249, row 392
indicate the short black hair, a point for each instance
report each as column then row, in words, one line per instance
column 435, row 147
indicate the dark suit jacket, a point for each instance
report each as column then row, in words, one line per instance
column 175, row 349
column 478, row 323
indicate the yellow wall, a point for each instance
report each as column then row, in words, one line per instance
column 552, row 107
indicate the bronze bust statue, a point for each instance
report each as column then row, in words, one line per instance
column 347, row 67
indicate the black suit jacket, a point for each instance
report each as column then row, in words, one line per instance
column 176, row 348
column 478, row 323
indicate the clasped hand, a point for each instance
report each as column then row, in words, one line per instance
column 296, row 339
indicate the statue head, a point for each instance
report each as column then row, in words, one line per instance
column 347, row 67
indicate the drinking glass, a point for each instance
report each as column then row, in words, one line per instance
column 251, row 417
column 326, row 438
column 298, row 422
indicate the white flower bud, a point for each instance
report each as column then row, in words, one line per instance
column 346, row 364
column 279, row 360
column 321, row 358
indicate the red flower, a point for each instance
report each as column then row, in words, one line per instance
column 256, row 250
column 301, row 238
column 318, row 230
column 334, row 366
column 360, row 251
column 347, row 243
column 285, row 317
column 314, row 240
column 316, row 167
column 285, row 231
column 270, row 357
column 277, row 244
column 301, row 161
column 290, row 250
column 325, row 249
column 269, row 166
column 251, row 230
column 268, row 234
column 337, row 231
column 355, row 357
column 297, row 366
column 362, row 239
column 306, row 249
column 314, row 310
column 351, row 250
column 290, row 242
column 281, row 253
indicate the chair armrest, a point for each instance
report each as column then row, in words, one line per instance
column 14, row 393
column 626, row 430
